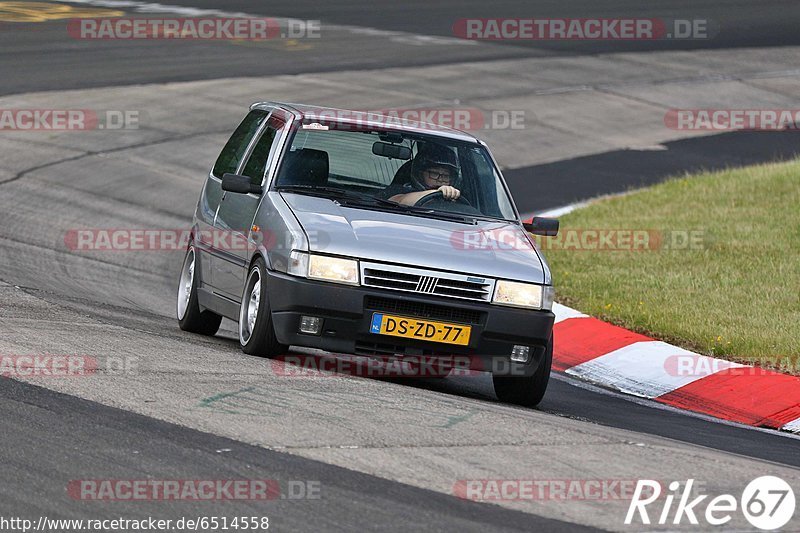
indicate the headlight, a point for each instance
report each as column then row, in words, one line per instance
column 323, row 267
column 523, row 295
column 333, row 269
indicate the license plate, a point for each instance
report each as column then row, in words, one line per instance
column 426, row 330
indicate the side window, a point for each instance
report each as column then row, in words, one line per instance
column 257, row 164
column 480, row 172
column 234, row 150
column 492, row 198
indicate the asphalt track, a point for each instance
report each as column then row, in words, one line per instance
column 44, row 57
column 114, row 443
column 50, row 438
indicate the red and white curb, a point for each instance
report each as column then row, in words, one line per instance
column 613, row 357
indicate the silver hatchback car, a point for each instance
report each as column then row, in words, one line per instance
column 364, row 234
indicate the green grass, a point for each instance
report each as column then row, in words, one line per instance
column 735, row 295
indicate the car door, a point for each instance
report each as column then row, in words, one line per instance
column 208, row 243
column 236, row 211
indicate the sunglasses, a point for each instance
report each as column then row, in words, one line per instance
column 438, row 176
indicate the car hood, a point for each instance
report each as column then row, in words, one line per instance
column 494, row 249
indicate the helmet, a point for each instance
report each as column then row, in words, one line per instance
column 431, row 154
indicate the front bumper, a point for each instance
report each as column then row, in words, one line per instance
column 347, row 313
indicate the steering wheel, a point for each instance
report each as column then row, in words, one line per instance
column 438, row 197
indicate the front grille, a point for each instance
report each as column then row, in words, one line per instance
column 427, row 282
column 387, row 350
column 423, row 310
column 375, row 348
column 390, row 280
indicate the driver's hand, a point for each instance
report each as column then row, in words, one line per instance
column 450, row 192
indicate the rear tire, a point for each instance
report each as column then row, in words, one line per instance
column 190, row 317
column 256, row 331
column 527, row 391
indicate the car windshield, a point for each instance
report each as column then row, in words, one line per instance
column 385, row 167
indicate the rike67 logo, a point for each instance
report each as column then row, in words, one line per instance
column 767, row 502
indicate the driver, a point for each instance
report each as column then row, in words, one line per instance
column 433, row 169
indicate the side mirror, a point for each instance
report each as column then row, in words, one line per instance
column 542, row 226
column 239, row 184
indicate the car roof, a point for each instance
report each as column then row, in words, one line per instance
column 369, row 119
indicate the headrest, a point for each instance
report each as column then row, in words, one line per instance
column 305, row 167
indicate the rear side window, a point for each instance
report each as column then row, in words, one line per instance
column 257, row 164
column 228, row 161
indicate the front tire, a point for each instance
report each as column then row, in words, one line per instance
column 256, row 331
column 526, row 391
column 190, row 317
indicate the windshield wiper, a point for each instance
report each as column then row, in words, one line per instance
column 371, row 201
column 338, row 193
